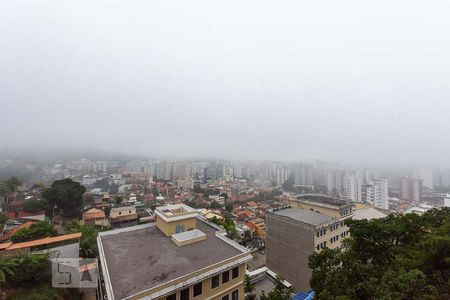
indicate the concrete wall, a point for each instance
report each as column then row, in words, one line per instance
column 170, row 228
column 288, row 247
column 221, row 290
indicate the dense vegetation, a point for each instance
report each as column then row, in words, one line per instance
column 38, row 230
column 66, row 196
column 397, row 257
column 27, row 276
column 24, row 269
column 88, row 240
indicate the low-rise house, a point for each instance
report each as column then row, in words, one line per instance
column 16, row 211
column 260, row 228
column 245, row 215
column 95, row 217
column 122, row 214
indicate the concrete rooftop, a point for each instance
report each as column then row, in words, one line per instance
column 140, row 259
column 303, row 215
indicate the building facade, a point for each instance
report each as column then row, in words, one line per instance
column 294, row 234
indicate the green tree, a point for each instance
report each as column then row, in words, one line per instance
column 249, row 288
column 198, row 189
column 38, row 185
column 88, row 240
column 215, row 205
column 118, row 199
column 279, row 292
column 3, row 219
column 12, row 183
column 230, row 228
column 36, row 205
column 397, row 257
column 247, row 236
column 38, row 230
column 25, row 269
column 229, row 207
column 65, row 195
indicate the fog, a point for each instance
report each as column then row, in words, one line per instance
column 357, row 81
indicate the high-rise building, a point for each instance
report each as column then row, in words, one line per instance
column 292, row 235
column 178, row 257
column 426, row 175
column 411, row 189
column 335, row 180
column 164, row 170
column 281, row 174
column 353, row 188
column 304, row 174
column 377, row 193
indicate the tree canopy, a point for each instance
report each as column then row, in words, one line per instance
column 88, row 240
column 11, row 184
column 397, row 257
column 279, row 292
column 38, row 230
column 65, row 195
column 35, row 205
column 24, row 269
column 230, row 228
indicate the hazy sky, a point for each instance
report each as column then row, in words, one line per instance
column 364, row 81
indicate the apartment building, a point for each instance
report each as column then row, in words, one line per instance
column 353, row 188
column 327, row 205
column 377, row 193
column 293, row 234
column 180, row 257
column 411, row 189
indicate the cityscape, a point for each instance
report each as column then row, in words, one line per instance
column 224, row 150
column 166, row 216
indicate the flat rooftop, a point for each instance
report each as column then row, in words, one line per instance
column 140, row 259
column 324, row 199
column 303, row 215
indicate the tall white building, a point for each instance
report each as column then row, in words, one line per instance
column 377, row 193
column 335, row 180
column 304, row 174
column 353, row 188
column 281, row 174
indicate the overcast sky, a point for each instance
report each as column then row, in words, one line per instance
column 360, row 81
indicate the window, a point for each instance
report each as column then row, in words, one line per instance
column 235, row 273
column 235, row 295
column 172, row 297
column 225, row 277
column 318, row 247
column 226, row 297
column 215, row 281
column 179, row 228
column 184, row 294
column 197, row 289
